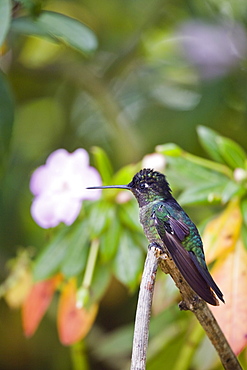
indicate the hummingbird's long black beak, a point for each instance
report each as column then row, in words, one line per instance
column 126, row 187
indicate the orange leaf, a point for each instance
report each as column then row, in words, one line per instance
column 37, row 303
column 231, row 276
column 73, row 323
column 221, row 234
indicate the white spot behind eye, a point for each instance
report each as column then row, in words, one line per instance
column 144, row 185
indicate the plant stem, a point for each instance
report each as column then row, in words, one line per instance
column 78, row 357
column 91, row 263
column 83, row 291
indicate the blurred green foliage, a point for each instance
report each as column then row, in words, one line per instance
column 112, row 75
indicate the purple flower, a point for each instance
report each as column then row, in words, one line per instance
column 59, row 187
column 213, row 48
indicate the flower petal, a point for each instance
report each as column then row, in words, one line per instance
column 93, row 179
column 49, row 210
column 43, row 212
column 60, row 186
column 68, row 209
column 57, row 158
column 80, row 158
column 40, row 180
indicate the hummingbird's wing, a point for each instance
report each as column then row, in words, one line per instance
column 207, row 277
column 172, row 233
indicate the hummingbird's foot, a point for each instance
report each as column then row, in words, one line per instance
column 183, row 306
column 158, row 250
column 194, row 303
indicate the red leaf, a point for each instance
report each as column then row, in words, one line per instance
column 222, row 233
column 231, row 276
column 73, row 322
column 37, row 303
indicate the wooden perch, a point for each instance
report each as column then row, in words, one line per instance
column 190, row 301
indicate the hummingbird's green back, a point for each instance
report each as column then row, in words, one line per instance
column 167, row 225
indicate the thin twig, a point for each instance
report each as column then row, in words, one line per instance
column 143, row 312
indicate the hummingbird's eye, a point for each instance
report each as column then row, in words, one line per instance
column 143, row 185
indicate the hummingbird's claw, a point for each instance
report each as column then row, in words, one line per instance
column 158, row 250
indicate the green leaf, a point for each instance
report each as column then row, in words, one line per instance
column 243, row 206
column 140, row 239
column 125, row 174
column 186, row 169
column 169, row 346
column 169, row 149
column 210, row 193
column 101, row 279
column 28, row 26
column 5, row 16
column 128, row 263
column 76, row 257
column 208, row 139
column 230, row 190
column 186, row 173
column 6, row 115
column 50, row 259
column 110, row 240
column 202, row 194
column 231, row 152
column 129, row 215
column 244, row 235
column 103, row 165
column 60, row 28
column 221, row 148
column 100, row 217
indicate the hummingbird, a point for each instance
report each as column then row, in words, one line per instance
column 165, row 223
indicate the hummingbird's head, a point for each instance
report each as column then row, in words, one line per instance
column 148, row 185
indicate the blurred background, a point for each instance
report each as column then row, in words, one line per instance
column 159, row 69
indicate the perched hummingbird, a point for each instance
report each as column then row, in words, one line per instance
column 165, row 223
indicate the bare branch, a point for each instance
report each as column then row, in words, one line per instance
column 143, row 312
column 192, row 302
